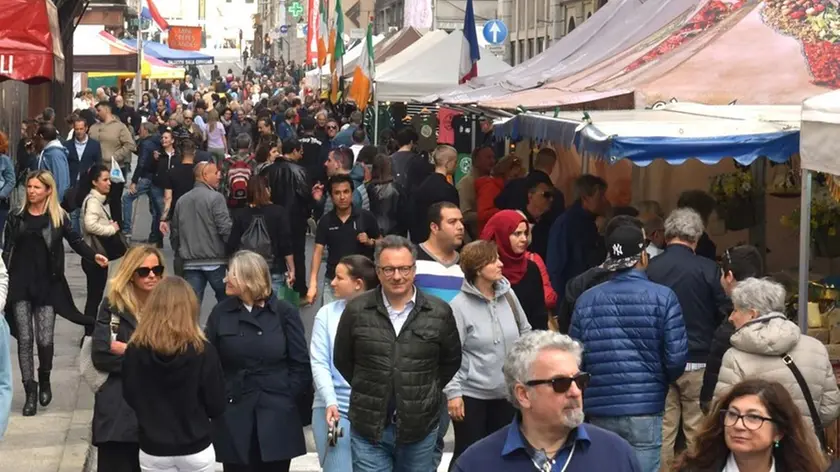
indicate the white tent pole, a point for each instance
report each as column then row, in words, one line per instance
column 138, row 81
column 375, row 116
column 804, row 247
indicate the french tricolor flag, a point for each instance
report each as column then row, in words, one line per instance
column 469, row 47
column 150, row 12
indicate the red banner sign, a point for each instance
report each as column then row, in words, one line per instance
column 312, row 33
column 185, row 38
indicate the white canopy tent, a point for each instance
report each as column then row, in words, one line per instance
column 818, row 150
column 435, row 69
column 349, row 55
column 410, row 53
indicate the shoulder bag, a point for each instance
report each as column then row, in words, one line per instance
column 806, row 392
column 91, row 375
column 113, row 247
column 515, row 310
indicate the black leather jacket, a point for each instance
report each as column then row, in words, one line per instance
column 289, row 188
column 52, row 236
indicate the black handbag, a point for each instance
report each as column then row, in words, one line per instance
column 806, row 392
column 113, row 247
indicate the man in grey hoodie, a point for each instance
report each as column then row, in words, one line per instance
column 203, row 215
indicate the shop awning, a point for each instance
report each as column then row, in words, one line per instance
column 97, row 50
column 675, row 133
column 819, row 147
column 30, row 42
column 171, row 56
column 151, row 69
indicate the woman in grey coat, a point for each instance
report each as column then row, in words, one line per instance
column 489, row 319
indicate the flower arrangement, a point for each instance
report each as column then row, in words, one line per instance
column 733, row 192
column 825, row 213
column 729, row 185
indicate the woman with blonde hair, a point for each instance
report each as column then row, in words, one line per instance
column 262, row 348
column 216, row 140
column 172, row 379
column 114, row 422
column 34, row 254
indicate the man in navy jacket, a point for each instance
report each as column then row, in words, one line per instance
column 636, row 346
column 83, row 151
column 574, row 244
column 545, row 383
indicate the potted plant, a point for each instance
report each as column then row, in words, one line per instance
column 733, row 192
column 825, row 222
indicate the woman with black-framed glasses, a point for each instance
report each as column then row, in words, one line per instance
column 758, row 428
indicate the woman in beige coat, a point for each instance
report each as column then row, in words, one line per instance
column 95, row 184
column 763, row 336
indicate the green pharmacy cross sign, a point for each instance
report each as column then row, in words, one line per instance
column 296, row 9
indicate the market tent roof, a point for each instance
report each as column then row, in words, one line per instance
column 618, row 25
column 723, row 51
column 350, row 55
column 410, row 53
column 388, row 47
column 819, row 147
column 96, row 50
column 169, row 55
column 152, row 69
column 30, row 42
column 434, row 69
column 676, row 132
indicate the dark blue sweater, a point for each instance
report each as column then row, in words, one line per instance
column 595, row 450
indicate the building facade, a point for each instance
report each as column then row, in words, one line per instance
column 534, row 25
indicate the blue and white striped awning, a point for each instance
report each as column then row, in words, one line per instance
column 676, row 132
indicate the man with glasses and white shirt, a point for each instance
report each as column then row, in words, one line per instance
column 397, row 347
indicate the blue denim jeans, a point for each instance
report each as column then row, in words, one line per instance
column 644, row 433
column 443, row 427
column 338, row 458
column 155, row 196
column 76, row 220
column 388, row 456
column 198, row 279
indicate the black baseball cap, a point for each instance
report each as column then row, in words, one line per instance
column 625, row 246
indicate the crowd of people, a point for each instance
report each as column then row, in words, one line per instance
column 489, row 304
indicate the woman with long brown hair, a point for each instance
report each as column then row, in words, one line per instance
column 173, row 380
column 114, row 422
column 755, row 427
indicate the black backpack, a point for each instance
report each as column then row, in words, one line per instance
column 257, row 239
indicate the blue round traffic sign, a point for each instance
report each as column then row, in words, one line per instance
column 495, row 32
column 305, row 30
column 284, row 29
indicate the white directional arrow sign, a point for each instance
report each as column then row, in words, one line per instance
column 495, row 32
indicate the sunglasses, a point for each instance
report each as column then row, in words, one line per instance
column 563, row 384
column 332, row 127
column 548, row 194
column 144, row 272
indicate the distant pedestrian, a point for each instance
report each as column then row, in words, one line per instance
column 200, row 226
column 173, row 380
column 96, row 223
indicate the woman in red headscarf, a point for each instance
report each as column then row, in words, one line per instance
column 509, row 230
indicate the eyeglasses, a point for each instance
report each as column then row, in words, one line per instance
column 389, row 271
column 563, row 384
column 548, row 194
column 750, row 421
column 144, row 272
column 332, row 127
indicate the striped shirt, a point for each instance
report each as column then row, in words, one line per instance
column 434, row 278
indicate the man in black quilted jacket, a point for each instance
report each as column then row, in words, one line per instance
column 397, row 348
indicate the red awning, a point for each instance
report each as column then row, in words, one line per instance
column 30, row 42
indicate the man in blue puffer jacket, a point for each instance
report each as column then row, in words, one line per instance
column 635, row 345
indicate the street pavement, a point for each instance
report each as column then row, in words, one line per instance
column 57, row 438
